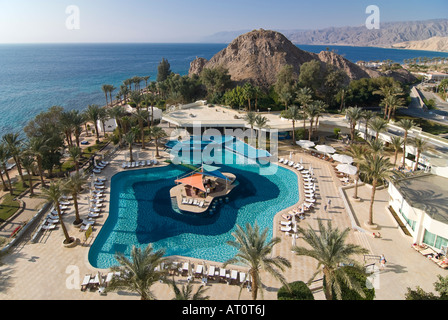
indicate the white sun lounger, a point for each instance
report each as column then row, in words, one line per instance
column 195, row 202
column 52, row 221
column 242, row 277
column 286, row 228
column 190, row 201
column 285, row 223
column 96, row 171
column 223, row 273
column 84, row 227
column 234, row 275
column 85, row 282
column 48, row 226
column 201, row 204
column 64, row 203
column 199, row 270
column 184, row 200
column 308, row 205
column 281, row 160
column 211, row 271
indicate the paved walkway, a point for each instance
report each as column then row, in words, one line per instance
column 47, row 270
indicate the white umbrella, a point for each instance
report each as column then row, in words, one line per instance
column 342, row 158
column 305, row 143
column 325, row 149
column 347, row 168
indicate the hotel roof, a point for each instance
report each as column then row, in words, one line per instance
column 427, row 192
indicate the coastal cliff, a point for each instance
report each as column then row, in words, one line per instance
column 431, row 44
column 259, row 55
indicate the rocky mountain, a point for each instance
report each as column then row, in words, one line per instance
column 259, row 55
column 431, row 44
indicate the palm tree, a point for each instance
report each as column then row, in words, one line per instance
column 129, row 138
column 304, row 98
column 117, row 112
column 4, row 156
column 394, row 103
column 186, row 293
column 73, row 186
column 157, row 133
column 421, row 145
column 396, row 143
column 376, row 147
column 357, row 153
column 353, row 114
column 328, row 247
column 37, row 146
column 249, row 93
column 137, row 98
column 312, row 110
column 75, row 155
column 254, row 251
column 141, row 115
column 28, row 164
column 93, row 114
column 286, row 98
column 111, row 90
column 150, row 100
column 53, row 194
column 367, row 115
column 77, row 122
column 139, row 273
column 14, row 145
column 406, row 125
column 105, row 89
column 261, row 122
column 376, row 168
column 321, row 106
column 378, row 125
column 293, row 113
column 250, row 118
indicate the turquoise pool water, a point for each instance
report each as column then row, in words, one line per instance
column 141, row 212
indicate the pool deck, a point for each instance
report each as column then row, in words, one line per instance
column 57, row 271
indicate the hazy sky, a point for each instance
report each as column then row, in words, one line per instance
column 30, row 21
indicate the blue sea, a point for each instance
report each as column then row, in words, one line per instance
column 34, row 77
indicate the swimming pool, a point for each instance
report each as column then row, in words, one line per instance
column 141, row 213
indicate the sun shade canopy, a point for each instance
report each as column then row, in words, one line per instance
column 194, row 180
column 213, row 171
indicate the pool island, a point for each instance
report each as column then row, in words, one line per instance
column 196, row 192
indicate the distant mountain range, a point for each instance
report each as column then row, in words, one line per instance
column 389, row 34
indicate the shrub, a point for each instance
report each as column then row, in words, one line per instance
column 299, row 291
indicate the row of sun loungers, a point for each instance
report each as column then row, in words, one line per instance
column 322, row 156
column 193, row 202
column 100, row 166
column 137, row 164
column 309, row 188
column 292, row 164
column 98, row 281
column 52, row 218
column 439, row 259
column 212, row 273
